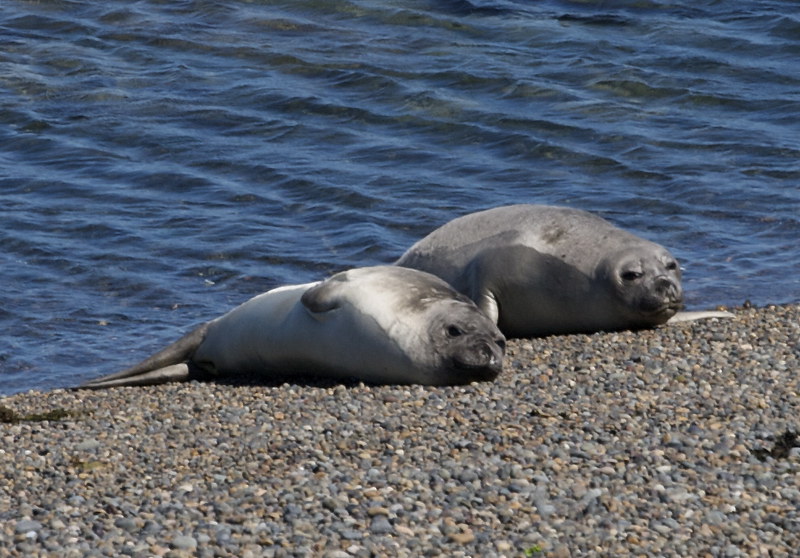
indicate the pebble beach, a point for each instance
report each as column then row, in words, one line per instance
column 676, row 441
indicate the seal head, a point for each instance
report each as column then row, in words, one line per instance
column 466, row 347
column 646, row 283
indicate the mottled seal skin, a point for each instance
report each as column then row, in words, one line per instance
column 539, row 270
column 379, row 324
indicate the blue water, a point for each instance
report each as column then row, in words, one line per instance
column 163, row 161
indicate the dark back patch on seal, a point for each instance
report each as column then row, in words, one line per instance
column 418, row 297
column 553, row 234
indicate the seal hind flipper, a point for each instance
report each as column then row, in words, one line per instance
column 172, row 373
column 699, row 315
column 162, row 367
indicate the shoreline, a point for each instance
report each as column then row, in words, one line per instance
column 676, row 441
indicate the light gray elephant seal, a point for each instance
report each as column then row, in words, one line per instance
column 378, row 324
column 540, row 270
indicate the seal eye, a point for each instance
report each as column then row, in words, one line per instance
column 672, row 266
column 454, row 331
column 631, row 275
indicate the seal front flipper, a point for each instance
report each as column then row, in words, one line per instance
column 170, row 364
column 325, row 296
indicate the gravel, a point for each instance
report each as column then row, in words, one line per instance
column 678, row 441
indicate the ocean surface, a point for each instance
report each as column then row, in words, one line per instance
column 163, row 161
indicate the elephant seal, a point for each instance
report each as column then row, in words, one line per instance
column 539, row 270
column 378, row 324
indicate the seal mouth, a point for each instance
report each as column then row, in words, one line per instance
column 483, row 371
column 661, row 308
column 666, row 310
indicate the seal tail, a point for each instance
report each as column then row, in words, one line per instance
column 170, row 364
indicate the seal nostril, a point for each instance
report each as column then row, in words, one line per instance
column 665, row 285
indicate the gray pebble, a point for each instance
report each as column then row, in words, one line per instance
column 380, row 526
column 184, row 542
column 25, row 525
column 87, row 445
column 351, row 534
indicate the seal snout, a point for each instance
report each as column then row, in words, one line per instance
column 482, row 360
column 669, row 290
column 667, row 287
column 664, row 299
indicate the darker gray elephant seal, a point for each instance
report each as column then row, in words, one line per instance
column 539, row 270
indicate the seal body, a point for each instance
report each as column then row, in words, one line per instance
column 540, row 270
column 380, row 324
